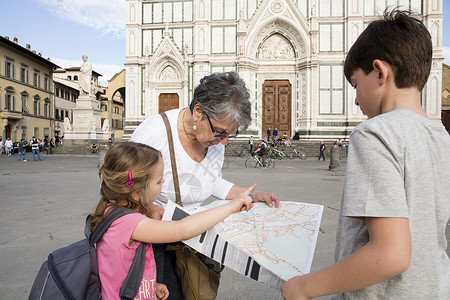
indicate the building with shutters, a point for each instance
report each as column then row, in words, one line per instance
column 290, row 53
column 26, row 92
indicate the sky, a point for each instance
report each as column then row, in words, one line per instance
column 65, row 30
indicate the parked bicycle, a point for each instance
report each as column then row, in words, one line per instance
column 241, row 153
column 276, row 154
column 256, row 161
column 296, row 153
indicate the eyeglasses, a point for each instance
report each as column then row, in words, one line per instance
column 220, row 135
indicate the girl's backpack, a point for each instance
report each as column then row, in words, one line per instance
column 72, row 272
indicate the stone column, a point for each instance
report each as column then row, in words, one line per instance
column 334, row 159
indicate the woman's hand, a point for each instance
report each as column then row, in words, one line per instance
column 161, row 291
column 243, row 201
column 269, row 198
column 155, row 211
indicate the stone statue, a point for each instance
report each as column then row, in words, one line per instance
column 67, row 126
column 85, row 77
column 105, row 127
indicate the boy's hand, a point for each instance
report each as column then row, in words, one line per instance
column 161, row 291
column 243, row 201
column 292, row 289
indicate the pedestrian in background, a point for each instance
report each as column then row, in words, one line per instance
column 322, row 150
column 275, row 135
column 250, row 142
column 8, row 145
column 262, row 151
column 21, row 149
column 51, row 146
column 56, row 140
column 35, row 148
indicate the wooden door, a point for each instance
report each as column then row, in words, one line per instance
column 446, row 119
column 277, row 107
column 168, row 102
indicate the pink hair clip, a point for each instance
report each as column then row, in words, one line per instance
column 130, row 182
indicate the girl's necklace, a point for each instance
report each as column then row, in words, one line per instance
column 185, row 132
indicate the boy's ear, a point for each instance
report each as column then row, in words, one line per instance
column 382, row 69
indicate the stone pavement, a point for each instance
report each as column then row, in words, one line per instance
column 44, row 204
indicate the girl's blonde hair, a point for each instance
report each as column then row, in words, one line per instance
column 121, row 161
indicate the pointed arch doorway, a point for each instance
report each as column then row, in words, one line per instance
column 276, row 106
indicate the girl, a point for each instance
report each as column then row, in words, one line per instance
column 131, row 177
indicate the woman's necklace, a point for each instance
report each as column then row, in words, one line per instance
column 185, row 132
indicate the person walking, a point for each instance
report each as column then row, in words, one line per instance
column 35, row 148
column 51, row 146
column 269, row 132
column 1, row 146
column 113, row 135
column 22, row 151
column 322, row 150
column 8, row 145
column 250, row 142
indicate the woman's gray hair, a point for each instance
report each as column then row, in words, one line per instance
column 223, row 96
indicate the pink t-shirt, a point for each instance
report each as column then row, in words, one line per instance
column 115, row 257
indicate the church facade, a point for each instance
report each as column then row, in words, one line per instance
column 290, row 53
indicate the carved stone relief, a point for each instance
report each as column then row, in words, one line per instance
column 276, row 47
column 169, row 74
column 283, row 29
column 277, row 7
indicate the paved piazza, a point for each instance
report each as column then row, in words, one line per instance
column 44, row 204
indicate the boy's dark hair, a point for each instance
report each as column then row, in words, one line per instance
column 399, row 39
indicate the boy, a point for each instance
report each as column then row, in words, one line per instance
column 391, row 235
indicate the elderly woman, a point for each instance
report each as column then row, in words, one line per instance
column 219, row 109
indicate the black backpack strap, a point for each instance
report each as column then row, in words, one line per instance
column 97, row 234
column 58, row 280
column 130, row 286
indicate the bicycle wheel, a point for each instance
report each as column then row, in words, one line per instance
column 301, row 155
column 270, row 163
column 250, row 162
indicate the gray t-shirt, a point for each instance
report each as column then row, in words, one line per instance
column 399, row 166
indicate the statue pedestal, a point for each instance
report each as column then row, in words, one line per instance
column 86, row 125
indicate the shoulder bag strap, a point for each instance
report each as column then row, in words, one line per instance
column 172, row 159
